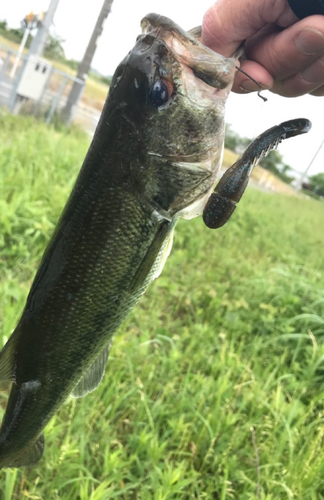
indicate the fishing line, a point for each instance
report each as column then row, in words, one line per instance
column 264, row 99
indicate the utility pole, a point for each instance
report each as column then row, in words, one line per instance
column 84, row 66
column 20, row 50
column 29, row 23
column 38, row 44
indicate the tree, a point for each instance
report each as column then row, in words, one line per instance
column 316, row 183
column 13, row 34
column 271, row 162
column 53, row 48
column 234, row 141
column 274, row 163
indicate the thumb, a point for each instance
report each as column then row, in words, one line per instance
column 229, row 22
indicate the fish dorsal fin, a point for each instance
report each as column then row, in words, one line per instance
column 93, row 376
column 27, row 457
column 7, row 362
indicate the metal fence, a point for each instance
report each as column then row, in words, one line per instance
column 50, row 101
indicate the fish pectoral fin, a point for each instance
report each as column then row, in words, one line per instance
column 93, row 376
column 7, row 362
column 29, row 456
column 163, row 255
column 150, row 258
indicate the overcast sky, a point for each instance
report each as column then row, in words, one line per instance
column 248, row 115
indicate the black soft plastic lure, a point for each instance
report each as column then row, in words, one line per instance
column 232, row 185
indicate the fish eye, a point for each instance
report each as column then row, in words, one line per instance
column 160, row 92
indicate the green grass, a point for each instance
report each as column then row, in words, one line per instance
column 229, row 338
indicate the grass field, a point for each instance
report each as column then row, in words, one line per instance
column 214, row 387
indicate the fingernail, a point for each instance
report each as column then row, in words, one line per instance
column 309, row 41
column 249, row 86
column 315, row 72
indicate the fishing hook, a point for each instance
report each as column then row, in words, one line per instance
column 253, row 80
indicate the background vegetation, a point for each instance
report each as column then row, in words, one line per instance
column 316, row 183
column 214, row 387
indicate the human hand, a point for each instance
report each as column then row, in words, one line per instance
column 283, row 53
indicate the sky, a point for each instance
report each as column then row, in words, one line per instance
column 247, row 114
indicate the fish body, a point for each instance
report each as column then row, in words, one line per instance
column 154, row 158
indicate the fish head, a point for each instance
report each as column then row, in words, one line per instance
column 170, row 93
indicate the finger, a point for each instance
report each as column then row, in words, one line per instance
column 290, row 51
column 243, row 84
column 308, row 81
column 229, row 22
column 318, row 92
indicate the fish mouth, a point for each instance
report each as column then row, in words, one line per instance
column 212, row 69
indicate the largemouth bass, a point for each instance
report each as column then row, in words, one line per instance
column 154, row 158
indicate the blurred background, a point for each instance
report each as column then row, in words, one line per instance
column 214, row 385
